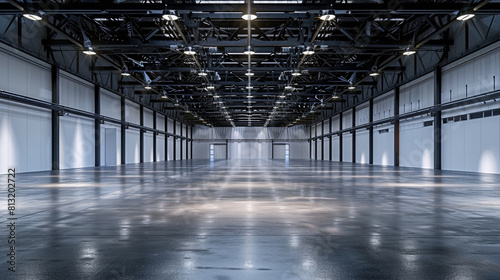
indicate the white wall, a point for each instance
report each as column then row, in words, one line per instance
column 362, row 146
column 76, row 93
column 22, row 75
column 472, row 145
column 326, row 148
column 250, row 150
column 383, row 145
column 77, row 142
column 160, row 139
column 117, row 151
column 170, row 146
column 110, row 104
column 25, row 138
column 178, row 148
column 148, row 146
column 416, row 148
column 335, row 148
column 417, row 94
column 347, row 147
column 132, row 143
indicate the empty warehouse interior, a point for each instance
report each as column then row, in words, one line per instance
column 249, row 139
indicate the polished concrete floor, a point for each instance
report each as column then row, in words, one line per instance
column 254, row 220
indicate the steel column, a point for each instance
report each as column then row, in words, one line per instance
column 154, row 136
column 55, row 118
column 141, row 135
column 97, row 124
column 175, row 141
column 353, row 134
column 437, row 119
column 396, row 126
column 370, row 132
column 123, row 132
column 341, row 144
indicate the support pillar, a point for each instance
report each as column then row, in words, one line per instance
column 97, row 125
column 437, row 119
column 396, row 126
column 55, row 118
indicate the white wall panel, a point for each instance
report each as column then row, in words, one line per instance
column 362, row 146
column 299, row 150
column 416, row 144
column 250, row 150
column 132, row 144
column 178, row 149
column 327, row 126
column 25, row 138
column 336, row 123
column 25, row 77
column 110, row 105
column 335, row 148
column 76, row 93
column 472, row 145
column 471, row 75
column 170, row 124
column 362, row 114
column 77, row 136
column 326, row 148
column 201, row 150
column 132, row 112
column 148, row 117
column 347, row 119
column 383, row 106
column 170, row 146
column 178, row 128
column 103, row 142
column 160, row 147
column 148, row 147
column 160, row 122
column 347, row 147
column 417, row 94
column 320, row 148
column 383, row 146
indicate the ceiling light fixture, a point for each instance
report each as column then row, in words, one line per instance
column 89, row 51
column 189, row 51
column 249, row 50
column 170, row 15
column 147, row 87
column 125, row 74
column 374, row 74
column 308, row 51
column 296, row 73
column 249, row 73
column 328, row 15
column 465, row 14
column 351, row 87
column 32, row 15
column 202, row 73
column 249, row 16
column 409, row 51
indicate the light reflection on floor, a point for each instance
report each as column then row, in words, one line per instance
column 256, row 220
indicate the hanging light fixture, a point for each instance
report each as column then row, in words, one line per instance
column 465, row 14
column 249, row 73
column 202, row 73
column 296, row 73
column 170, row 15
column 89, row 51
column 189, row 51
column 249, row 50
column 374, row 74
column 351, row 87
column 327, row 15
column 409, row 51
column 125, row 73
column 148, row 87
column 308, row 51
column 32, row 14
column 249, row 15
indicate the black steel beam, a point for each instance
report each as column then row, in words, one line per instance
column 123, row 132
column 97, row 125
column 175, row 141
column 396, row 126
column 154, row 137
column 370, row 133
column 341, row 148
column 55, row 74
column 353, row 135
column 141, row 135
column 437, row 119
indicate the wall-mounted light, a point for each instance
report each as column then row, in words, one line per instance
column 170, row 15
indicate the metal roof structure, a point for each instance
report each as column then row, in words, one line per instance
column 293, row 61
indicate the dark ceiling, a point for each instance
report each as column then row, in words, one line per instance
column 133, row 37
